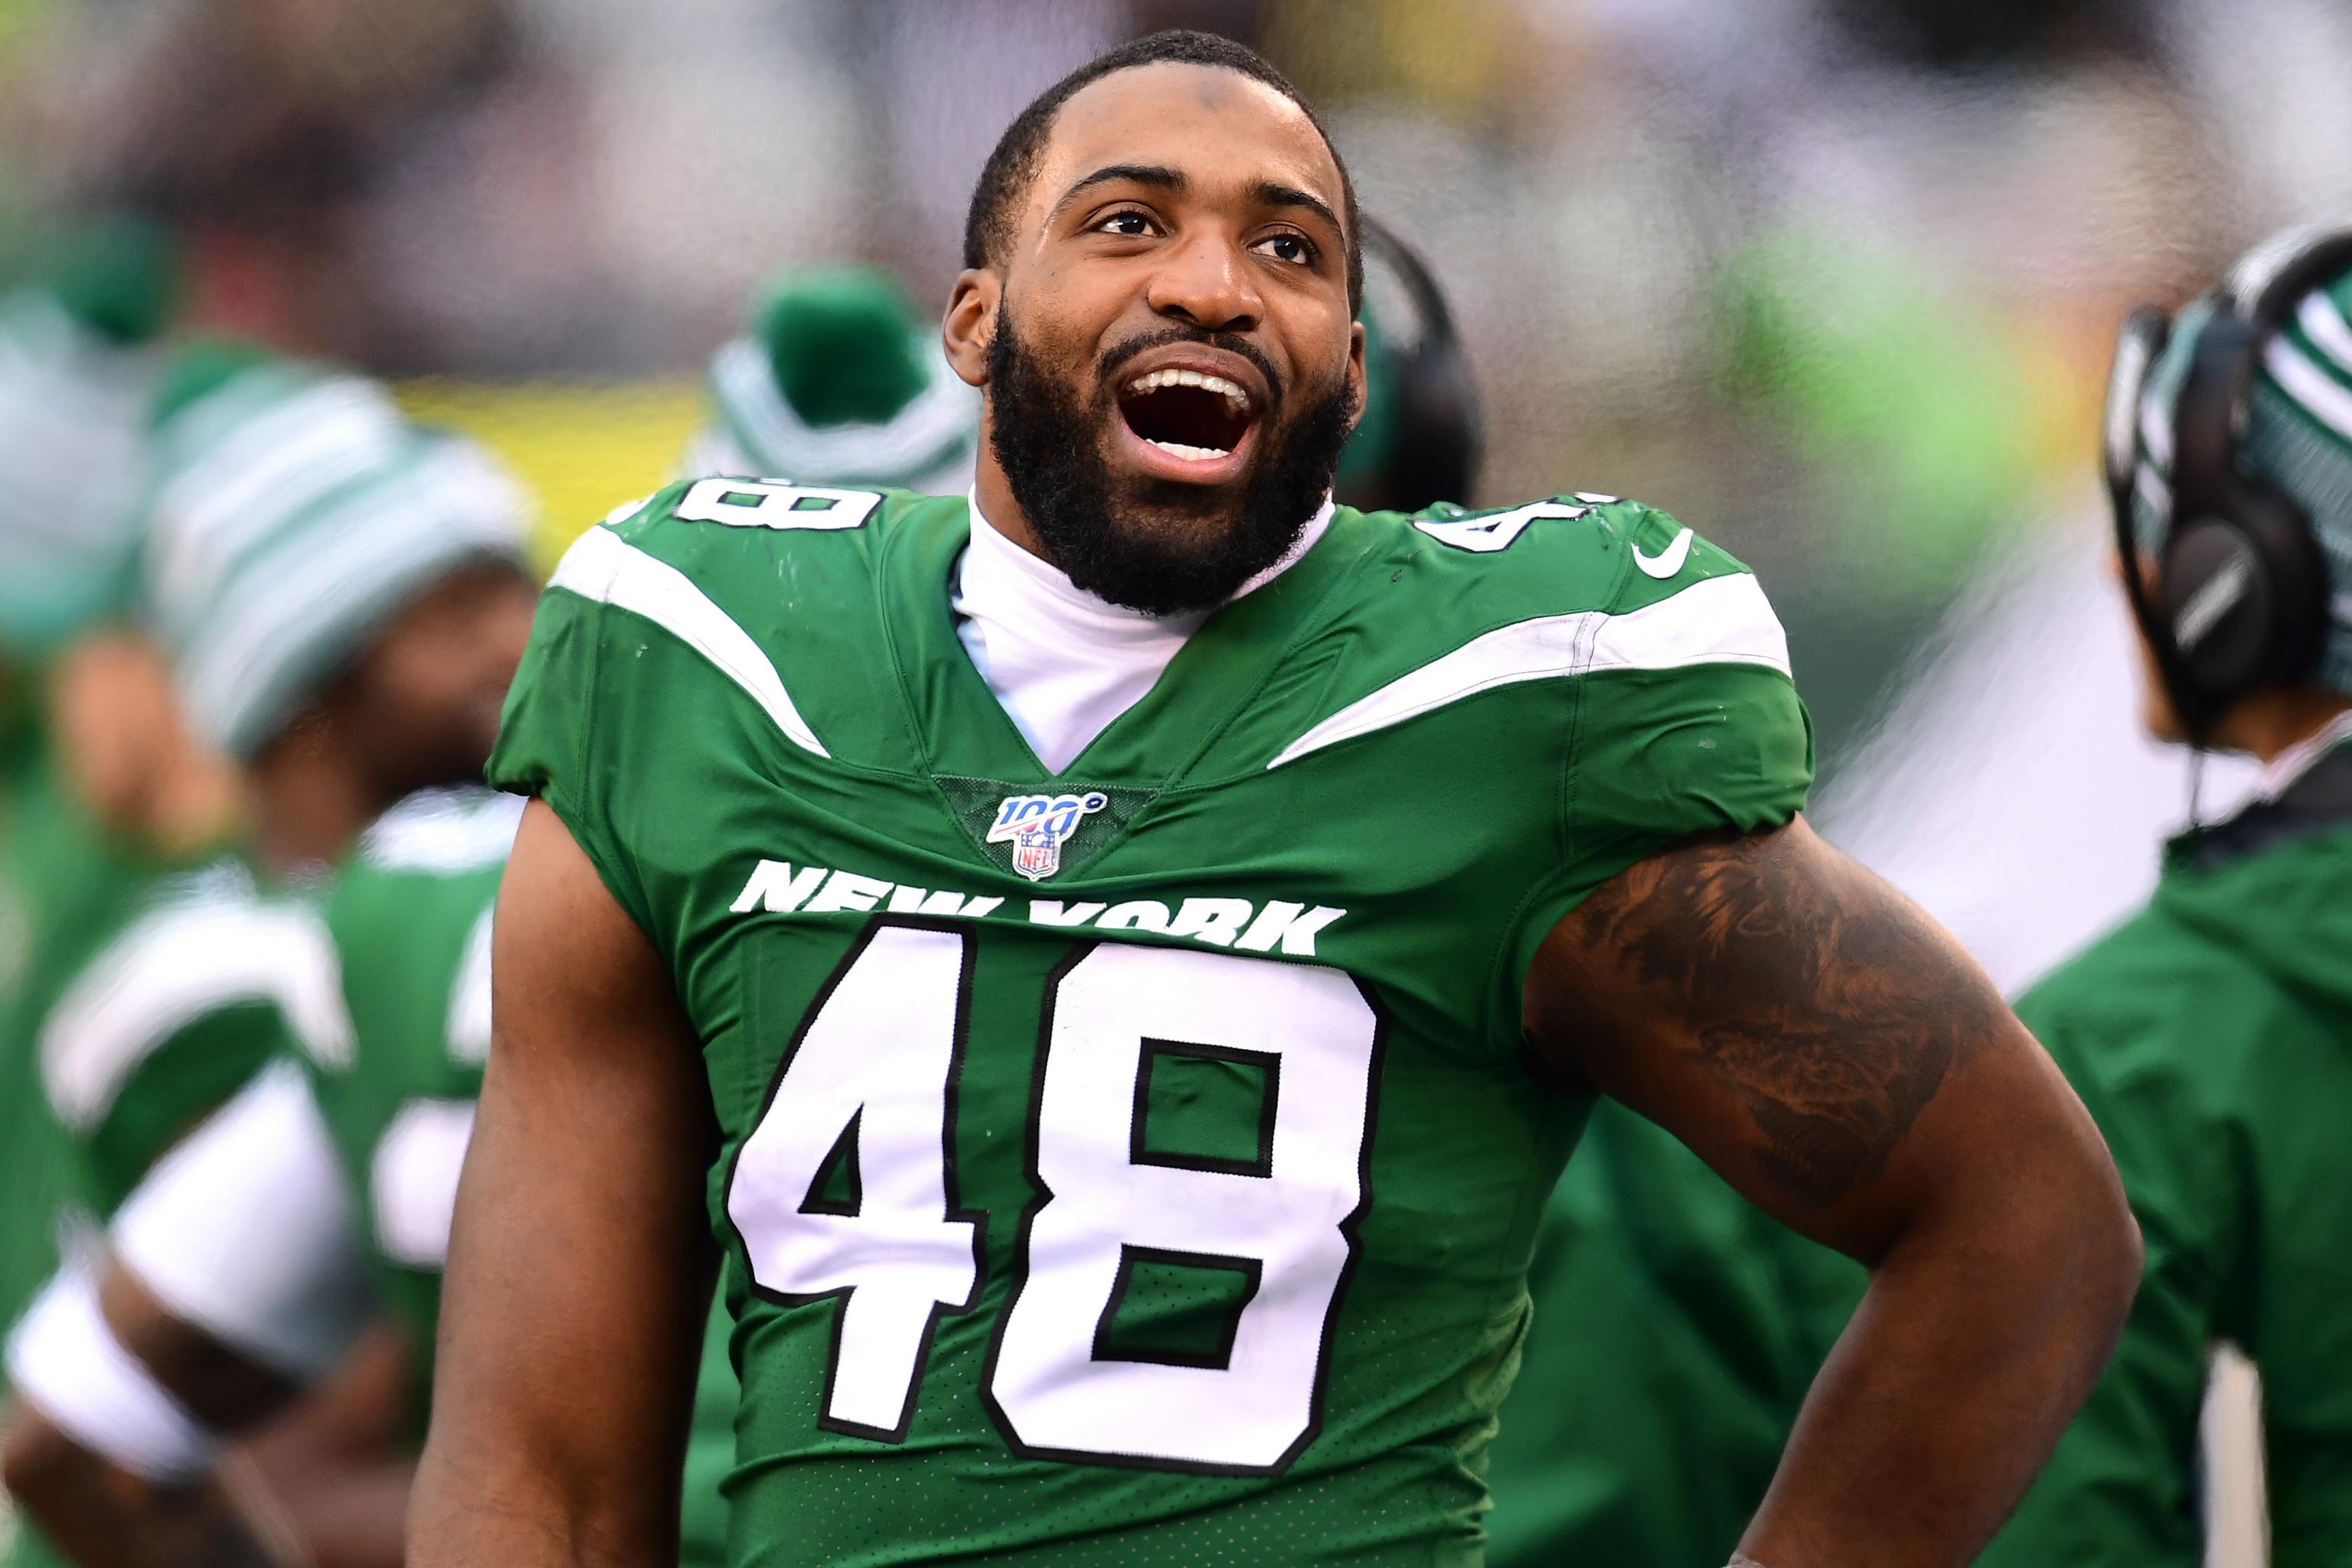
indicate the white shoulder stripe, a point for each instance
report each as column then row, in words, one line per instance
column 2325, row 325
column 169, row 970
column 2321, row 394
column 1715, row 620
column 602, row 566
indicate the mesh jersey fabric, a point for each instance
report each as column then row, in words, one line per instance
column 1316, row 857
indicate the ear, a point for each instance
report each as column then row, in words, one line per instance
column 969, row 325
column 1356, row 371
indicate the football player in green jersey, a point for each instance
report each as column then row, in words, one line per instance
column 2208, row 1032
column 343, row 599
column 1118, row 960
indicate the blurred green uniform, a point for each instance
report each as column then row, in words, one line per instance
column 1676, row 1330
column 50, row 869
column 2210, row 1035
column 410, row 917
column 178, row 987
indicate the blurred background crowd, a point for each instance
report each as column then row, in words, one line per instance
column 1835, row 280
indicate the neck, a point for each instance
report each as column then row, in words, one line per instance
column 310, row 799
column 2270, row 723
column 996, row 503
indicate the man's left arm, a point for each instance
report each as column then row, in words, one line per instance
column 1836, row 1056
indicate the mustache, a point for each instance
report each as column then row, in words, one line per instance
column 1107, row 365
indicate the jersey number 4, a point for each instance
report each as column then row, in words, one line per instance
column 845, row 1189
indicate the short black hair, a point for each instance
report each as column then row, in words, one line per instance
column 1004, row 178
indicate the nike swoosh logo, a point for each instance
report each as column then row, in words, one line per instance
column 1666, row 562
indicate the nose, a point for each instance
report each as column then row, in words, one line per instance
column 1206, row 282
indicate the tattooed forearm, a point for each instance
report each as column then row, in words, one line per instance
column 1830, row 1007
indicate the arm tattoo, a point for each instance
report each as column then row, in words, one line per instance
column 1831, row 1007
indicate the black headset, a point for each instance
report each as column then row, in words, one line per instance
column 1440, row 433
column 2239, row 596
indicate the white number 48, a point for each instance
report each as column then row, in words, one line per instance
column 864, row 1096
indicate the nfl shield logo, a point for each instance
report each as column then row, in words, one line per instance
column 1038, row 825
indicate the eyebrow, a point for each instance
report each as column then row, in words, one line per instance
column 1268, row 194
column 1153, row 174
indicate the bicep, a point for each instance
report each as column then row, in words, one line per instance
column 575, row 1287
column 1807, row 1030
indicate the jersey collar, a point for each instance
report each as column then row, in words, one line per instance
column 1223, row 662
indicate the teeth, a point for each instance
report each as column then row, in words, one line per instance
column 1189, row 454
column 1236, row 399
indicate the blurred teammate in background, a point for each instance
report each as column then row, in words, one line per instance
column 2210, row 1034
column 342, row 601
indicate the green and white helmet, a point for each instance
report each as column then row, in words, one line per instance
column 291, row 510
column 838, row 382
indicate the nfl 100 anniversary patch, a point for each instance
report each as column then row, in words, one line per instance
column 1037, row 826
column 1040, row 833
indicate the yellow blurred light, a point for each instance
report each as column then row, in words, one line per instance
column 582, row 447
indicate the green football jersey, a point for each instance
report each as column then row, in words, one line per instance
column 1137, row 1163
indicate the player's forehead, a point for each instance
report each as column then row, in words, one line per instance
column 1223, row 132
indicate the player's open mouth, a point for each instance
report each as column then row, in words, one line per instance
column 1190, row 423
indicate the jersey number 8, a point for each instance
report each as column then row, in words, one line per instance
column 874, row 1072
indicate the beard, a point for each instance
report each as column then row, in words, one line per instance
column 1155, row 545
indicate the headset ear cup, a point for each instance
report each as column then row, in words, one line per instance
column 2297, row 566
column 2245, row 596
column 2214, row 593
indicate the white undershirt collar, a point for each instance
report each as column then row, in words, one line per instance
column 1066, row 663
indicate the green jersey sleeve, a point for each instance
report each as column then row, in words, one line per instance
column 559, row 712
column 171, row 1014
column 1685, row 718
